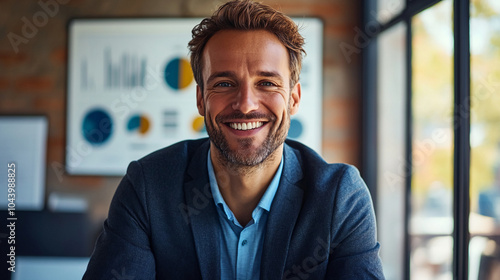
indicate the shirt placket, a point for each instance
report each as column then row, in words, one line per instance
column 244, row 246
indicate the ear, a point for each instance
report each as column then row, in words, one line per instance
column 200, row 103
column 295, row 95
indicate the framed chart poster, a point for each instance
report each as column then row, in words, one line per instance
column 131, row 91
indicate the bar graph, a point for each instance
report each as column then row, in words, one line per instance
column 86, row 83
column 126, row 73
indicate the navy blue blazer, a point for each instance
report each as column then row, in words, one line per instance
column 163, row 223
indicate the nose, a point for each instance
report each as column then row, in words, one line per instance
column 246, row 99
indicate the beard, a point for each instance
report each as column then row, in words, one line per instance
column 245, row 155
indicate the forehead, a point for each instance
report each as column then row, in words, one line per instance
column 258, row 50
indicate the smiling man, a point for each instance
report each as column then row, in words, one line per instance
column 245, row 203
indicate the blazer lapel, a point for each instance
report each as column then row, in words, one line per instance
column 203, row 215
column 282, row 217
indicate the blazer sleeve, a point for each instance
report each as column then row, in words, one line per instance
column 354, row 247
column 123, row 251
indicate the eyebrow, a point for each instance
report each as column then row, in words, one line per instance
column 270, row 74
column 222, row 74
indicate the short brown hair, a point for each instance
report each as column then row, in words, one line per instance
column 248, row 15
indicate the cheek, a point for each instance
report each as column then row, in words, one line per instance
column 278, row 105
column 213, row 106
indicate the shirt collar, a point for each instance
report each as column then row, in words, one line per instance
column 264, row 203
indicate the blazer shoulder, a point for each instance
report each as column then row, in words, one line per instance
column 176, row 154
column 315, row 168
column 168, row 164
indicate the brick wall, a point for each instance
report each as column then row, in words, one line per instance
column 33, row 73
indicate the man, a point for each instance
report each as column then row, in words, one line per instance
column 243, row 204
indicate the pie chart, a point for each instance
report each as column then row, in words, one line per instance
column 199, row 124
column 296, row 129
column 138, row 124
column 97, row 127
column 178, row 73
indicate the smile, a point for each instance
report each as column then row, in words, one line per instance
column 246, row 126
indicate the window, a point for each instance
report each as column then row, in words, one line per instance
column 431, row 208
column 391, row 138
column 432, row 136
column 484, row 226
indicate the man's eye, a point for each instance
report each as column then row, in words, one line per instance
column 267, row 84
column 223, row 84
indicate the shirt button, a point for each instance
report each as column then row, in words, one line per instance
column 244, row 242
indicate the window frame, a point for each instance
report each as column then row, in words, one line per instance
column 461, row 121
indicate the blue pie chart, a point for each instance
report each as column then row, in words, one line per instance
column 296, row 129
column 97, row 127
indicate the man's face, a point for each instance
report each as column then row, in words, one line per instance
column 247, row 99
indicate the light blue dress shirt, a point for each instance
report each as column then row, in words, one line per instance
column 241, row 247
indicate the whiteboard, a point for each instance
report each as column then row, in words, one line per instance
column 131, row 91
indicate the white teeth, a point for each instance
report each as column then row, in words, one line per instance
column 245, row 126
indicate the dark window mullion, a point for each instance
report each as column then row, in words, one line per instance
column 461, row 126
column 369, row 110
column 409, row 146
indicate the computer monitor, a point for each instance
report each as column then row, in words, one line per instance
column 50, row 268
column 23, row 148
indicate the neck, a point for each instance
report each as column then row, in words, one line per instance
column 242, row 187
